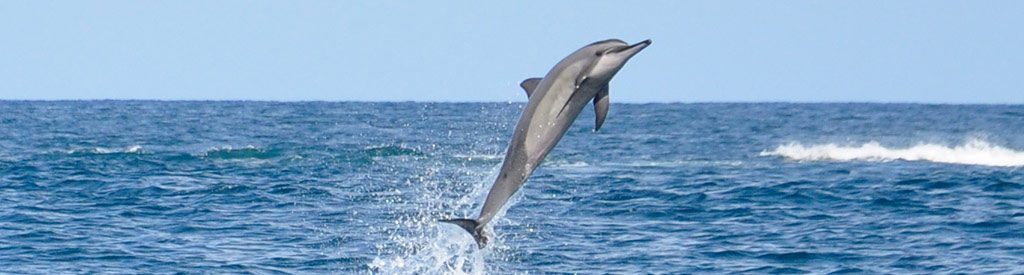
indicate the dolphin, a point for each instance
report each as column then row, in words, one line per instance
column 554, row 103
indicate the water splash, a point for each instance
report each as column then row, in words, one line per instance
column 973, row 152
column 422, row 245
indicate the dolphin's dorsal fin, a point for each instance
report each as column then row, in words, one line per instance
column 601, row 106
column 529, row 85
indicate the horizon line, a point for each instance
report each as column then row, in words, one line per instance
column 509, row 102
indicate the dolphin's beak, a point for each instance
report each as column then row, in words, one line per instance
column 635, row 48
column 631, row 50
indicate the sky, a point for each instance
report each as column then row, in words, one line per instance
column 471, row 51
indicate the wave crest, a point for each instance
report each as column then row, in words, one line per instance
column 134, row 149
column 973, row 152
column 247, row 152
column 391, row 151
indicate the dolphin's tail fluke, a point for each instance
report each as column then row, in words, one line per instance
column 473, row 228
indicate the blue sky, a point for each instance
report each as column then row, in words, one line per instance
column 707, row 51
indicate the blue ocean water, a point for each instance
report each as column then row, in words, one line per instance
column 265, row 187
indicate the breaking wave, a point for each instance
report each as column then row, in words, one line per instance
column 973, row 152
column 247, row 152
column 134, row 149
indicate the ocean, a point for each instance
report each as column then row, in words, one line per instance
column 318, row 187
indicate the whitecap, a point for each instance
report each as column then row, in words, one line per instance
column 569, row 164
column 134, row 149
column 972, row 152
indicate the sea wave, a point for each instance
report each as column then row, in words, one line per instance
column 481, row 157
column 678, row 163
column 247, row 152
column 134, row 149
column 391, row 151
column 972, row 152
column 562, row 163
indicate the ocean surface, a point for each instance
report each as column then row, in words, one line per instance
column 306, row 188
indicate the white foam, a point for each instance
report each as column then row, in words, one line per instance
column 973, row 152
column 134, row 149
column 561, row 163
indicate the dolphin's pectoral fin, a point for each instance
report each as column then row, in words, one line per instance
column 473, row 228
column 529, row 85
column 601, row 107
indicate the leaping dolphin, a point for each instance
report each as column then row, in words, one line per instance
column 555, row 102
